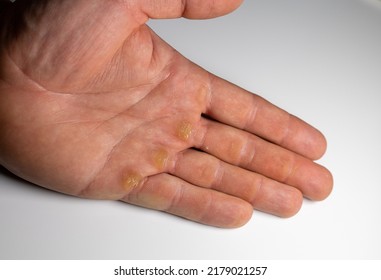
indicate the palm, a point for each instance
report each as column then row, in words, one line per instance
column 110, row 111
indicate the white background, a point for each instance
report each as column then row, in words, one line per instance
column 318, row 59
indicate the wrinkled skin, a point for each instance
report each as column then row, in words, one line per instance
column 94, row 104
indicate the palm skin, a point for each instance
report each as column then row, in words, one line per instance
column 94, row 104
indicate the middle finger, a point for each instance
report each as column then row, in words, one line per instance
column 251, row 152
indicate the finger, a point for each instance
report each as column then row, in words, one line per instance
column 194, row 9
column 253, row 153
column 170, row 194
column 264, row 194
column 234, row 106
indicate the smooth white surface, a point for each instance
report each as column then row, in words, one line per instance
column 318, row 59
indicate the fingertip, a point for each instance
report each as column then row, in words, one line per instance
column 197, row 9
column 319, row 145
column 243, row 215
column 293, row 205
column 279, row 199
column 235, row 213
column 305, row 139
column 321, row 187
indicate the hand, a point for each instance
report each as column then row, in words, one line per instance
column 94, row 104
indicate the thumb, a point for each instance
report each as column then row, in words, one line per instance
column 194, row 9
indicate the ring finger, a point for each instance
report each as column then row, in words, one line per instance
column 264, row 194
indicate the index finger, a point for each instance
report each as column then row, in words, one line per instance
column 237, row 107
